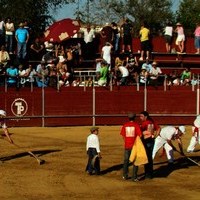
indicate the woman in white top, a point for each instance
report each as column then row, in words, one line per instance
column 9, row 28
column 180, row 41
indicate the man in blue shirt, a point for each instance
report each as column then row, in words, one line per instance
column 22, row 37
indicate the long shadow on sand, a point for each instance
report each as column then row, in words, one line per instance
column 181, row 163
column 38, row 153
column 163, row 170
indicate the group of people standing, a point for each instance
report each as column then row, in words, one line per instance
column 151, row 137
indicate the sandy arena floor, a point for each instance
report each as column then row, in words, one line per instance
column 63, row 175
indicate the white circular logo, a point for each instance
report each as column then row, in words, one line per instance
column 19, row 107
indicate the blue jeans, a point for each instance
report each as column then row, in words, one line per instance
column 9, row 42
column 90, row 168
column 127, row 153
column 21, row 50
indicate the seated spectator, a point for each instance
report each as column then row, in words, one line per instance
column 144, row 76
column 186, row 76
column 154, row 74
column 64, row 77
column 42, row 78
column 36, row 50
column 98, row 65
column 147, row 65
column 22, row 77
column 133, row 68
column 173, row 78
column 12, row 75
column 124, row 74
column 30, row 75
column 4, row 56
column 102, row 78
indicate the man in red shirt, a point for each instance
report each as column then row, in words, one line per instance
column 129, row 131
column 150, row 129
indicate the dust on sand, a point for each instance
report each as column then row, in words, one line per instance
column 63, row 175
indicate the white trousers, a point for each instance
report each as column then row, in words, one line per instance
column 193, row 142
column 160, row 142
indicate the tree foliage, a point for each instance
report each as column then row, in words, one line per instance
column 189, row 14
column 154, row 12
column 34, row 11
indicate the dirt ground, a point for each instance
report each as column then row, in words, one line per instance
column 63, row 175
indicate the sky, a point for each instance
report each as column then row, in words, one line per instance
column 67, row 10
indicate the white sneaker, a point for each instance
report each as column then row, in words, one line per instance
column 141, row 58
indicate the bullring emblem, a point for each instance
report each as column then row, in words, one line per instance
column 19, row 107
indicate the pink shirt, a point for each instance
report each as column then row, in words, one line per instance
column 180, row 30
column 197, row 31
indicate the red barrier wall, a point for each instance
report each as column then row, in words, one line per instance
column 74, row 106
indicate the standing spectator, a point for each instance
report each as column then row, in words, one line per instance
column 145, row 43
column 4, row 56
column 149, row 130
column 129, row 131
column 195, row 139
column 165, row 138
column 116, row 36
column 9, row 28
column 126, row 34
column 180, row 40
column 2, row 29
column 93, row 151
column 88, row 47
column 168, row 33
column 36, row 50
column 197, row 38
column 106, row 34
column 106, row 53
column 22, row 37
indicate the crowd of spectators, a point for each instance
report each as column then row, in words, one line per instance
column 27, row 60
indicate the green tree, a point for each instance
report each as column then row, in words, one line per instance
column 189, row 14
column 34, row 11
column 154, row 12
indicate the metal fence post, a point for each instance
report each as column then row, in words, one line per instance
column 93, row 106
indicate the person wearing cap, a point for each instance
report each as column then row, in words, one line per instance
column 180, row 40
column 154, row 74
column 93, row 151
column 22, row 37
column 150, row 129
column 129, row 131
column 195, row 139
column 3, row 125
column 165, row 138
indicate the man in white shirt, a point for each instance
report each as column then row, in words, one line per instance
column 88, row 37
column 164, row 139
column 93, row 151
